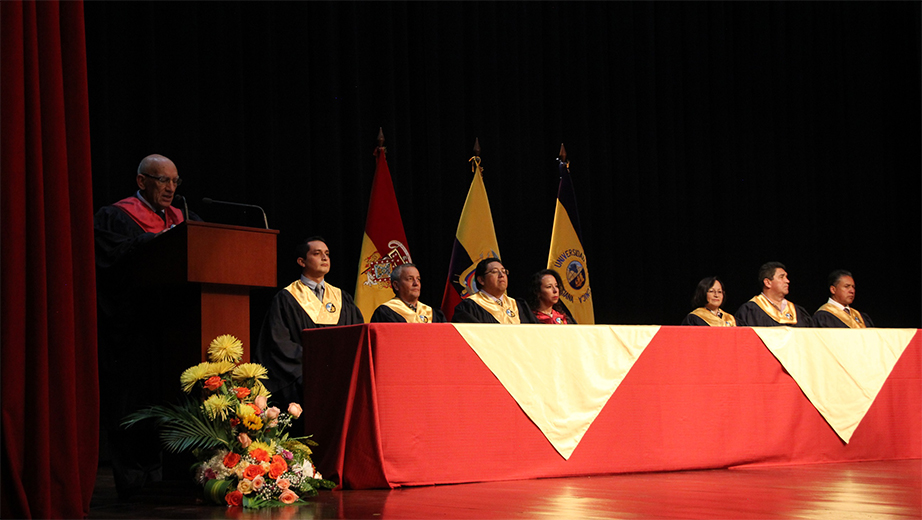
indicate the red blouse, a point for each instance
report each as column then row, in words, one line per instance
column 556, row 318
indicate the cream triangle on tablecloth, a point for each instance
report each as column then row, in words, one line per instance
column 558, row 374
column 840, row 371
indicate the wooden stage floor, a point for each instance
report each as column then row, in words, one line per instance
column 853, row 490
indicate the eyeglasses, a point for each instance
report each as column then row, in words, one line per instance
column 497, row 272
column 163, row 179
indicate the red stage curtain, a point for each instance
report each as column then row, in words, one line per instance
column 50, row 402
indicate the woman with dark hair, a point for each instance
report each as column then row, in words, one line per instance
column 544, row 299
column 709, row 296
column 491, row 304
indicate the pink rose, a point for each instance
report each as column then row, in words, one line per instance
column 283, row 483
column 261, row 402
column 273, row 423
column 295, row 410
column 288, row 496
column 273, row 413
column 244, row 440
column 258, row 482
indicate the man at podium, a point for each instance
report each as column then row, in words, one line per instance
column 127, row 337
column 307, row 303
column 121, row 227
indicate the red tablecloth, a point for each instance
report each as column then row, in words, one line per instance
column 404, row 405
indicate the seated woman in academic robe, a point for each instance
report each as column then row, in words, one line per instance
column 491, row 304
column 544, row 299
column 709, row 296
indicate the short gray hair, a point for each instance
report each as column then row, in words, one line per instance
column 395, row 274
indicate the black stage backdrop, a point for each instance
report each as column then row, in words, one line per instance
column 704, row 138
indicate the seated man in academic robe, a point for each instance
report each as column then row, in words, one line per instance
column 770, row 308
column 307, row 303
column 405, row 306
column 837, row 312
column 132, row 319
column 491, row 304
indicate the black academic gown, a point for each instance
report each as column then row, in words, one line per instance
column 751, row 315
column 828, row 319
column 130, row 326
column 691, row 319
column 279, row 346
column 469, row 312
column 384, row 314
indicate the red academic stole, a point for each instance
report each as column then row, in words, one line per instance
column 147, row 218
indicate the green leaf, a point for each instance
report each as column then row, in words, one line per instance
column 182, row 426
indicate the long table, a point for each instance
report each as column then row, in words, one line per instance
column 405, row 405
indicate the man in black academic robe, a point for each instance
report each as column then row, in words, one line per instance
column 837, row 312
column 131, row 319
column 491, row 304
column 307, row 303
column 770, row 308
column 405, row 307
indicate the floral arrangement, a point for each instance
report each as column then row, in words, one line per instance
column 246, row 458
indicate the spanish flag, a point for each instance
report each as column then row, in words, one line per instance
column 384, row 245
column 474, row 241
column 566, row 255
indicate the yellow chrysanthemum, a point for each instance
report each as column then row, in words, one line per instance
column 225, row 348
column 249, row 371
column 260, row 389
column 245, row 410
column 218, row 405
column 219, row 368
column 196, row 373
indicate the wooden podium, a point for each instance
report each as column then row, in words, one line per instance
column 203, row 273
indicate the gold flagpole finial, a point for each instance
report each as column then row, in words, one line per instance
column 475, row 160
column 563, row 153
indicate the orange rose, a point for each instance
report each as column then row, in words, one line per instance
column 278, row 467
column 213, row 383
column 288, row 496
column 231, row 460
column 256, row 409
column 252, row 471
column 234, row 498
column 241, row 392
column 260, row 455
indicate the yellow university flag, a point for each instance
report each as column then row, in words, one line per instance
column 384, row 245
column 474, row 241
column 567, row 256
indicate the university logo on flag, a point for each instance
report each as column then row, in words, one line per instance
column 384, row 245
column 475, row 240
column 566, row 255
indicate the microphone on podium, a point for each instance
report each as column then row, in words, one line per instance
column 185, row 205
column 208, row 200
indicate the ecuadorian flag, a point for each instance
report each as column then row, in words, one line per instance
column 567, row 256
column 384, row 245
column 474, row 241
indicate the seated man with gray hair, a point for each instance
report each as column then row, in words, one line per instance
column 405, row 307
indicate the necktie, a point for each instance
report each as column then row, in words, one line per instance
column 848, row 311
column 318, row 292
